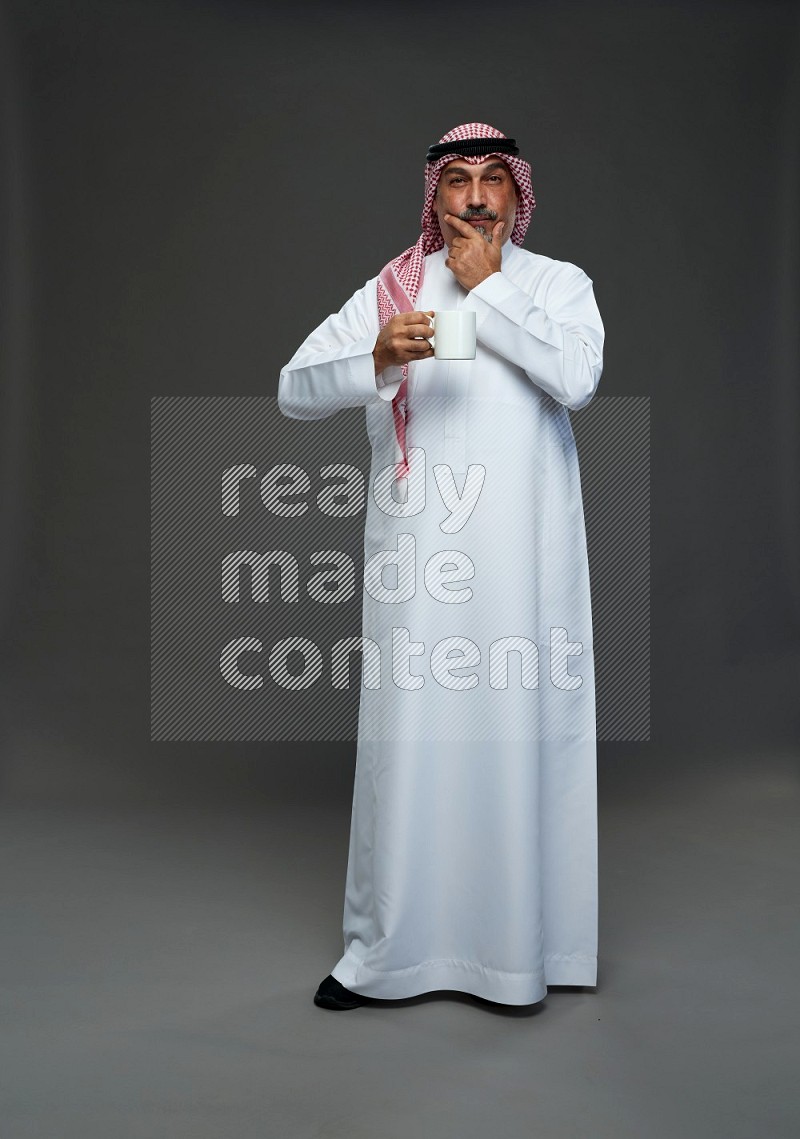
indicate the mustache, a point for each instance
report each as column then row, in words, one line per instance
column 478, row 212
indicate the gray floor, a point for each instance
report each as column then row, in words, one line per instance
column 159, row 960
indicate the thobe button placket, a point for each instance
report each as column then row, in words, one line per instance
column 455, row 413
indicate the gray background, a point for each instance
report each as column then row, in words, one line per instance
column 188, row 188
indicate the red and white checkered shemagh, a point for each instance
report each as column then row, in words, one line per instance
column 400, row 281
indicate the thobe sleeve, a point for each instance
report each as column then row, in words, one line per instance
column 559, row 347
column 334, row 367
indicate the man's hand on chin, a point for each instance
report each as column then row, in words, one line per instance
column 472, row 257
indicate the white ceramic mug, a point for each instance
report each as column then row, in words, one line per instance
column 454, row 334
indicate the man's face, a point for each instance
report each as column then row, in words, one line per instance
column 482, row 195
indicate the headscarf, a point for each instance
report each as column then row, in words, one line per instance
column 401, row 279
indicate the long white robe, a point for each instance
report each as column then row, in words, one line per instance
column 473, row 842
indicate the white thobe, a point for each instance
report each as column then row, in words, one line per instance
column 472, row 862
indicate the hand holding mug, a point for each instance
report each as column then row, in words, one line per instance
column 404, row 338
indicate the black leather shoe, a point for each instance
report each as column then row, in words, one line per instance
column 332, row 994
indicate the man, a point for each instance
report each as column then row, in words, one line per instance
column 473, row 844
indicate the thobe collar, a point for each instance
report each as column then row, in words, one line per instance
column 507, row 250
